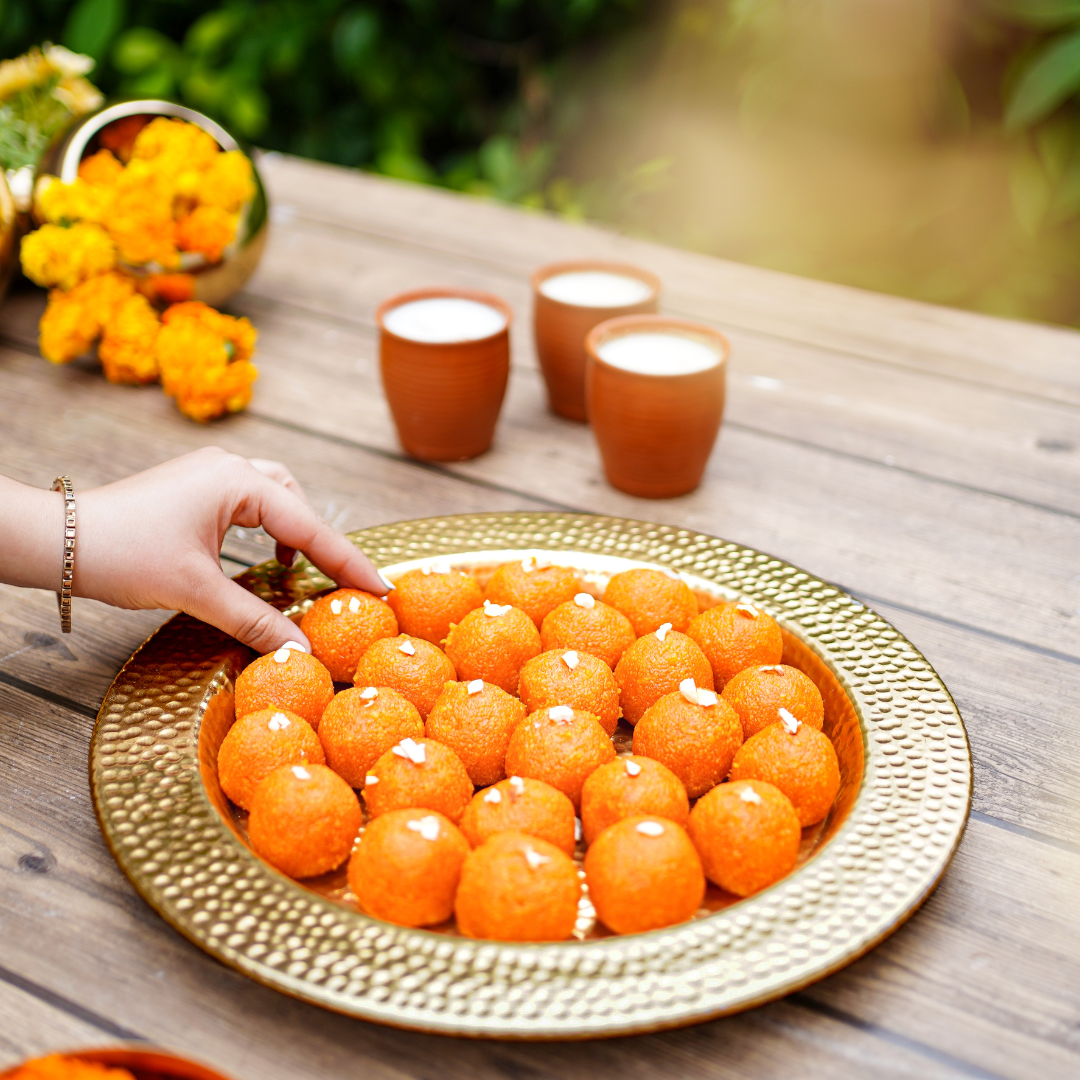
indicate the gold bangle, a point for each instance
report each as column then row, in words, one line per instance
column 63, row 597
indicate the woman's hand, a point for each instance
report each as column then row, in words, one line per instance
column 153, row 541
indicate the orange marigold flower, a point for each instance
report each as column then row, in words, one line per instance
column 53, row 255
column 141, row 222
column 127, row 346
column 73, row 320
column 202, row 356
column 229, row 182
column 100, row 168
column 59, row 1067
column 174, row 147
column 208, row 229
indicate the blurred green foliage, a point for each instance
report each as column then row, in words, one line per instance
column 446, row 91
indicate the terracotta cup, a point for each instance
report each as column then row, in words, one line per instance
column 561, row 328
column 655, row 431
column 445, row 397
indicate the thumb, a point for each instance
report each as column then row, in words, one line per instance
column 230, row 607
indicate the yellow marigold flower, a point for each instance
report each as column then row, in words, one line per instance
column 174, row 147
column 208, row 229
column 74, row 320
column 27, row 70
column 78, row 201
column 53, row 255
column 193, row 355
column 126, row 351
column 141, row 221
column 229, row 182
column 100, row 168
column 237, row 331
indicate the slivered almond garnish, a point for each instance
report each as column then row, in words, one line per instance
column 411, row 751
column 633, row 768
column 585, row 600
column 493, row 796
column 662, row 631
column 354, row 604
column 517, row 786
column 369, row 693
column 278, row 722
column 534, row 858
column 427, row 827
column 300, row 772
column 496, row 610
column 570, row 659
column 791, row 724
column 408, row 648
column 748, row 610
column 749, row 795
column 335, row 605
column 370, row 779
column 475, row 687
column 650, row 828
column 561, row 714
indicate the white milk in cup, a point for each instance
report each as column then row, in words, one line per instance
column 444, row 320
column 595, row 288
column 658, row 354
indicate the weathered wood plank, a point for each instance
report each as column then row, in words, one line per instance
column 163, row 988
column 1024, row 357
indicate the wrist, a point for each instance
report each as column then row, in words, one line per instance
column 31, row 535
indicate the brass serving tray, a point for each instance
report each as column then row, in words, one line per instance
column 904, row 800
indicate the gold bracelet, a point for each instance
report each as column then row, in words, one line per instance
column 63, row 597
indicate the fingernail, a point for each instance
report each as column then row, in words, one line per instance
column 386, row 581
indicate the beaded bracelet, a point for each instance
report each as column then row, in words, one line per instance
column 63, row 597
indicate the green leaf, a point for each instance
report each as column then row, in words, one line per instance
column 1053, row 75
column 139, row 49
column 354, row 37
column 1043, row 13
column 248, row 111
column 92, row 25
column 212, row 31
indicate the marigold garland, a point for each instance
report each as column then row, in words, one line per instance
column 154, row 191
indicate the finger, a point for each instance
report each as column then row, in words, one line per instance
column 292, row 522
column 230, row 607
column 276, row 471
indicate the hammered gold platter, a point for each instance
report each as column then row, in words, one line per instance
column 904, row 800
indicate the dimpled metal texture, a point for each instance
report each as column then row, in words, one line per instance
column 903, row 825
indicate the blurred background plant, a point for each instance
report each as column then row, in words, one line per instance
column 929, row 148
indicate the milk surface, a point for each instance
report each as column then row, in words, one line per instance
column 440, row 320
column 595, row 288
column 658, row 354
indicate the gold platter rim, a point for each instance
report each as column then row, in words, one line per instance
column 891, row 851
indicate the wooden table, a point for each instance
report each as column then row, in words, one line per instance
column 927, row 460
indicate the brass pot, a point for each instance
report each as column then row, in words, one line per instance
column 214, row 283
column 9, row 236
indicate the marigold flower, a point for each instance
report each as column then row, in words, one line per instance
column 53, row 255
column 120, row 135
column 171, row 288
column 229, row 182
column 141, row 221
column 174, row 147
column 101, row 168
column 202, row 356
column 64, row 204
column 126, row 351
column 207, row 229
column 73, row 320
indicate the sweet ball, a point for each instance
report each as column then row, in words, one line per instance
column 407, row 866
column 516, row 887
column 418, row 773
column 288, row 679
column 694, row 733
column 342, row 626
column 476, row 719
column 736, row 636
column 577, row 679
column 304, row 819
column 655, row 665
column 521, row 804
column 747, row 834
column 650, row 598
column 493, row 643
column 410, row 665
column 643, row 874
column 533, row 585
column 588, row 626
column 560, row 746
column 428, row 601
column 259, row 743
column 627, row 787
column 363, row 723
